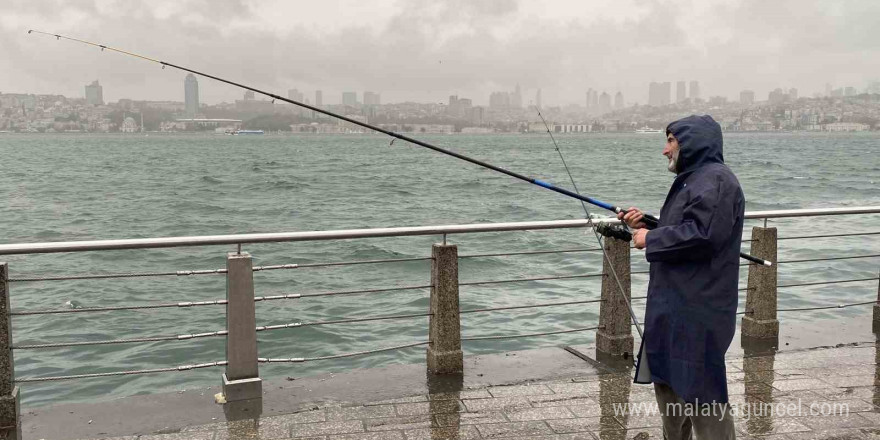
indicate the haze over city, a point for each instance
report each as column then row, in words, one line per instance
column 425, row 51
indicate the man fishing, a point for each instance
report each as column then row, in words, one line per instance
column 692, row 293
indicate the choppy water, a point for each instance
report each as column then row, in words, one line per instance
column 61, row 188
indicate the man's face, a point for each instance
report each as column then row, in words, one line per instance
column 671, row 152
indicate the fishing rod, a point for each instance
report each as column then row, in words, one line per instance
column 599, row 203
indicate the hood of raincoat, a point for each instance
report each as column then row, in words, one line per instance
column 699, row 142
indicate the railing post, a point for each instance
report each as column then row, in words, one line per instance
column 876, row 325
column 760, row 320
column 242, row 378
column 10, row 408
column 444, row 334
column 614, row 336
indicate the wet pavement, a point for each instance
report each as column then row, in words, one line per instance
column 821, row 393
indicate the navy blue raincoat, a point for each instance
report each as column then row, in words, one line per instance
column 694, row 254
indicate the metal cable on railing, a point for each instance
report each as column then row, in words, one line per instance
column 507, row 254
column 528, row 335
column 338, row 356
column 123, row 341
column 349, row 292
column 848, row 234
column 108, row 309
column 529, row 306
column 857, row 280
column 801, row 309
column 209, row 271
column 518, row 280
column 121, row 275
column 340, row 321
column 805, row 260
column 123, row 373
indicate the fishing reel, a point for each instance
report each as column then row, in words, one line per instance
column 614, row 231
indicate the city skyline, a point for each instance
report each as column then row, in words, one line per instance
column 424, row 51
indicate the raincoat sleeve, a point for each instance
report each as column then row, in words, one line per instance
column 707, row 220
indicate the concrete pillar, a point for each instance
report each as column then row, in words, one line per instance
column 10, row 408
column 242, row 378
column 760, row 320
column 876, row 325
column 614, row 336
column 444, row 334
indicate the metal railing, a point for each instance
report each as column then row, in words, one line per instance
column 241, row 380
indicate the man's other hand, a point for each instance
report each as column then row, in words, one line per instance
column 639, row 237
column 633, row 217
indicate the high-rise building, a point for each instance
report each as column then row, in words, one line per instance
column 747, row 97
column 659, row 94
column 516, row 98
column 319, row 98
column 499, row 100
column 592, row 101
column 695, row 90
column 249, row 95
column 297, row 96
column 538, row 98
column 680, row 91
column 604, row 103
column 793, row 94
column 777, row 96
column 94, row 94
column 618, row 101
column 191, row 96
column 350, row 98
column 371, row 98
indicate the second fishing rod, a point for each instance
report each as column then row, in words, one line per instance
column 651, row 221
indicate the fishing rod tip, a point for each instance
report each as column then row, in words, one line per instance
column 30, row 30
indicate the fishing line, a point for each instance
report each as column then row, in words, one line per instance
column 650, row 220
column 620, row 290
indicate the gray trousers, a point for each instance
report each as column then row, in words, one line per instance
column 680, row 422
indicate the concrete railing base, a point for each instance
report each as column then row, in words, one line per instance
column 242, row 389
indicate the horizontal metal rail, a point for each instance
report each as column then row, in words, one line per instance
column 210, row 271
column 508, row 254
column 805, row 260
column 529, row 335
column 109, row 309
column 520, row 280
column 803, row 309
column 210, row 240
column 340, row 321
column 123, row 373
column 848, row 234
column 339, row 356
column 839, row 306
column 529, row 306
column 123, row 341
column 817, row 283
column 118, row 275
column 359, row 291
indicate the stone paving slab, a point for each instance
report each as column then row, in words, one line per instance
column 830, row 393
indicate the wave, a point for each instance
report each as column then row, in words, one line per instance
column 210, row 179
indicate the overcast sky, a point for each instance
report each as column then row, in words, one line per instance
column 425, row 50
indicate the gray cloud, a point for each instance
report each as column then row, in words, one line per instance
column 425, row 49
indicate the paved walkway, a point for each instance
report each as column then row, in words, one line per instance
column 777, row 397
